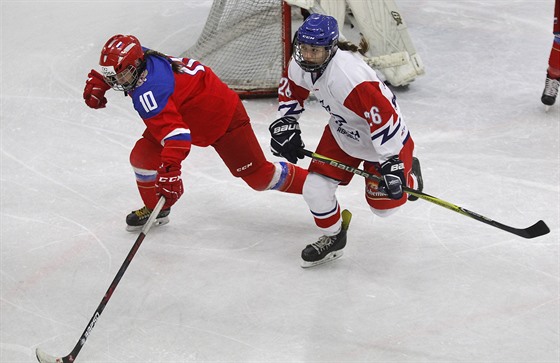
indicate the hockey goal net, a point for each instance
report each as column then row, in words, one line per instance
column 247, row 44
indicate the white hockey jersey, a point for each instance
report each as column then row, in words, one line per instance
column 365, row 121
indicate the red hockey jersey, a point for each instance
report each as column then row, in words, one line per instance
column 180, row 109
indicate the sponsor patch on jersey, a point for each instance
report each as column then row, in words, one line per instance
column 372, row 192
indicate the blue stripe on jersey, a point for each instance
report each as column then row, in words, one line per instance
column 291, row 109
column 387, row 133
column 180, row 134
column 183, row 137
column 406, row 138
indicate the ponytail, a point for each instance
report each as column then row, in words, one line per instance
column 349, row 46
column 175, row 64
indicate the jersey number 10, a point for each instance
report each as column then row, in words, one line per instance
column 148, row 101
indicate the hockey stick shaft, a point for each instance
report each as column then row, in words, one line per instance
column 45, row 358
column 538, row 229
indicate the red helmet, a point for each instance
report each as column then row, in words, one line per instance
column 121, row 61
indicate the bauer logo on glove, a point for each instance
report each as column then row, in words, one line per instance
column 286, row 139
column 283, row 128
column 392, row 174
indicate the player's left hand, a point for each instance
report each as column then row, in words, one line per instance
column 169, row 184
column 392, row 172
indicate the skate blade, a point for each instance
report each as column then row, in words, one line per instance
column 157, row 223
column 328, row 258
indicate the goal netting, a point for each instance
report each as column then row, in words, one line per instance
column 246, row 43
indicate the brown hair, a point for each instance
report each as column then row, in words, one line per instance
column 175, row 64
column 347, row 45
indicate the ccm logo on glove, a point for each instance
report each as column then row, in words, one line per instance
column 171, row 179
column 169, row 184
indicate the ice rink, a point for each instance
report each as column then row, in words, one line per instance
column 222, row 282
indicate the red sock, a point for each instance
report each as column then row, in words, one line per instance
column 148, row 193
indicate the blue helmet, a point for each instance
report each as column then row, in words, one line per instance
column 317, row 30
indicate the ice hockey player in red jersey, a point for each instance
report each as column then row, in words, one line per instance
column 552, row 82
column 182, row 103
column 365, row 125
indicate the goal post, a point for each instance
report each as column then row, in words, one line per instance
column 247, row 44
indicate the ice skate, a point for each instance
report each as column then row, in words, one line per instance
column 136, row 219
column 418, row 173
column 550, row 91
column 327, row 248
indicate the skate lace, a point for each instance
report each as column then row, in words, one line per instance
column 551, row 87
column 323, row 243
column 143, row 212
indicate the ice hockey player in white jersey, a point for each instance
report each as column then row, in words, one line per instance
column 365, row 125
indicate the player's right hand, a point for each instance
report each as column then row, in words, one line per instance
column 94, row 91
column 286, row 140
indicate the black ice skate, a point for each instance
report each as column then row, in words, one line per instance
column 418, row 173
column 136, row 219
column 327, row 248
column 550, row 91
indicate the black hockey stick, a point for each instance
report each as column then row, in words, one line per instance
column 44, row 357
column 538, row 229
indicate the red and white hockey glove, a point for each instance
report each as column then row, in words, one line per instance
column 169, row 184
column 94, row 91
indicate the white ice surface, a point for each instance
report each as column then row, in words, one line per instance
column 222, row 281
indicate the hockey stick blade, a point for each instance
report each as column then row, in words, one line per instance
column 43, row 357
column 536, row 230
